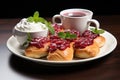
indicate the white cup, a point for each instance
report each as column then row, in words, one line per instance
column 75, row 18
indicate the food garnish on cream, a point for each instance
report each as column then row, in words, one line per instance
column 26, row 26
column 35, row 18
column 31, row 27
column 34, row 23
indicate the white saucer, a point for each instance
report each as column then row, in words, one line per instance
column 109, row 46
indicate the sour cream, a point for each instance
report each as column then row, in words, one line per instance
column 26, row 26
column 21, row 30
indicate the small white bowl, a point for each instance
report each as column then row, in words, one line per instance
column 22, row 36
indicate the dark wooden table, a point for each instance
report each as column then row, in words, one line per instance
column 16, row 68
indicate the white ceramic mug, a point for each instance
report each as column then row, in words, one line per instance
column 75, row 18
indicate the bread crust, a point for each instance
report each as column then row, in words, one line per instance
column 67, row 54
column 35, row 52
column 62, row 55
column 100, row 40
column 87, row 52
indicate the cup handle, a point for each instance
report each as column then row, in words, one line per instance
column 57, row 16
column 97, row 24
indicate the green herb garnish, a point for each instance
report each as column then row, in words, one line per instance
column 29, row 38
column 35, row 18
column 50, row 27
column 97, row 31
column 67, row 35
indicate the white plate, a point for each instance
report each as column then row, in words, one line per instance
column 109, row 46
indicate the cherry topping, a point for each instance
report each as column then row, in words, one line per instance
column 59, row 43
column 56, row 42
column 73, row 32
column 83, row 42
column 57, row 28
column 86, row 39
column 89, row 34
column 39, row 42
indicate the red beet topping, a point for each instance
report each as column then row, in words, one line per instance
column 89, row 34
column 73, row 32
column 54, row 37
column 83, row 42
column 58, row 43
column 86, row 39
column 39, row 42
column 57, row 28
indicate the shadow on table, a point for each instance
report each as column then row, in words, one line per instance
column 33, row 69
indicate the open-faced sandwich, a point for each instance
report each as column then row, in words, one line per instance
column 88, row 45
column 38, row 47
column 60, row 50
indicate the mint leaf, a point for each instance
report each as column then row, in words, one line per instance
column 50, row 27
column 73, row 36
column 62, row 35
column 29, row 38
column 100, row 31
column 30, row 19
column 97, row 31
column 36, row 14
column 67, row 35
column 36, row 19
column 42, row 20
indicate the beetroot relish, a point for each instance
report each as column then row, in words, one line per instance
column 58, row 43
column 89, row 34
column 86, row 39
column 57, row 28
column 83, row 42
column 39, row 42
column 77, row 33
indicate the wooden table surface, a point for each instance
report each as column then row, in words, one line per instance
column 13, row 67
